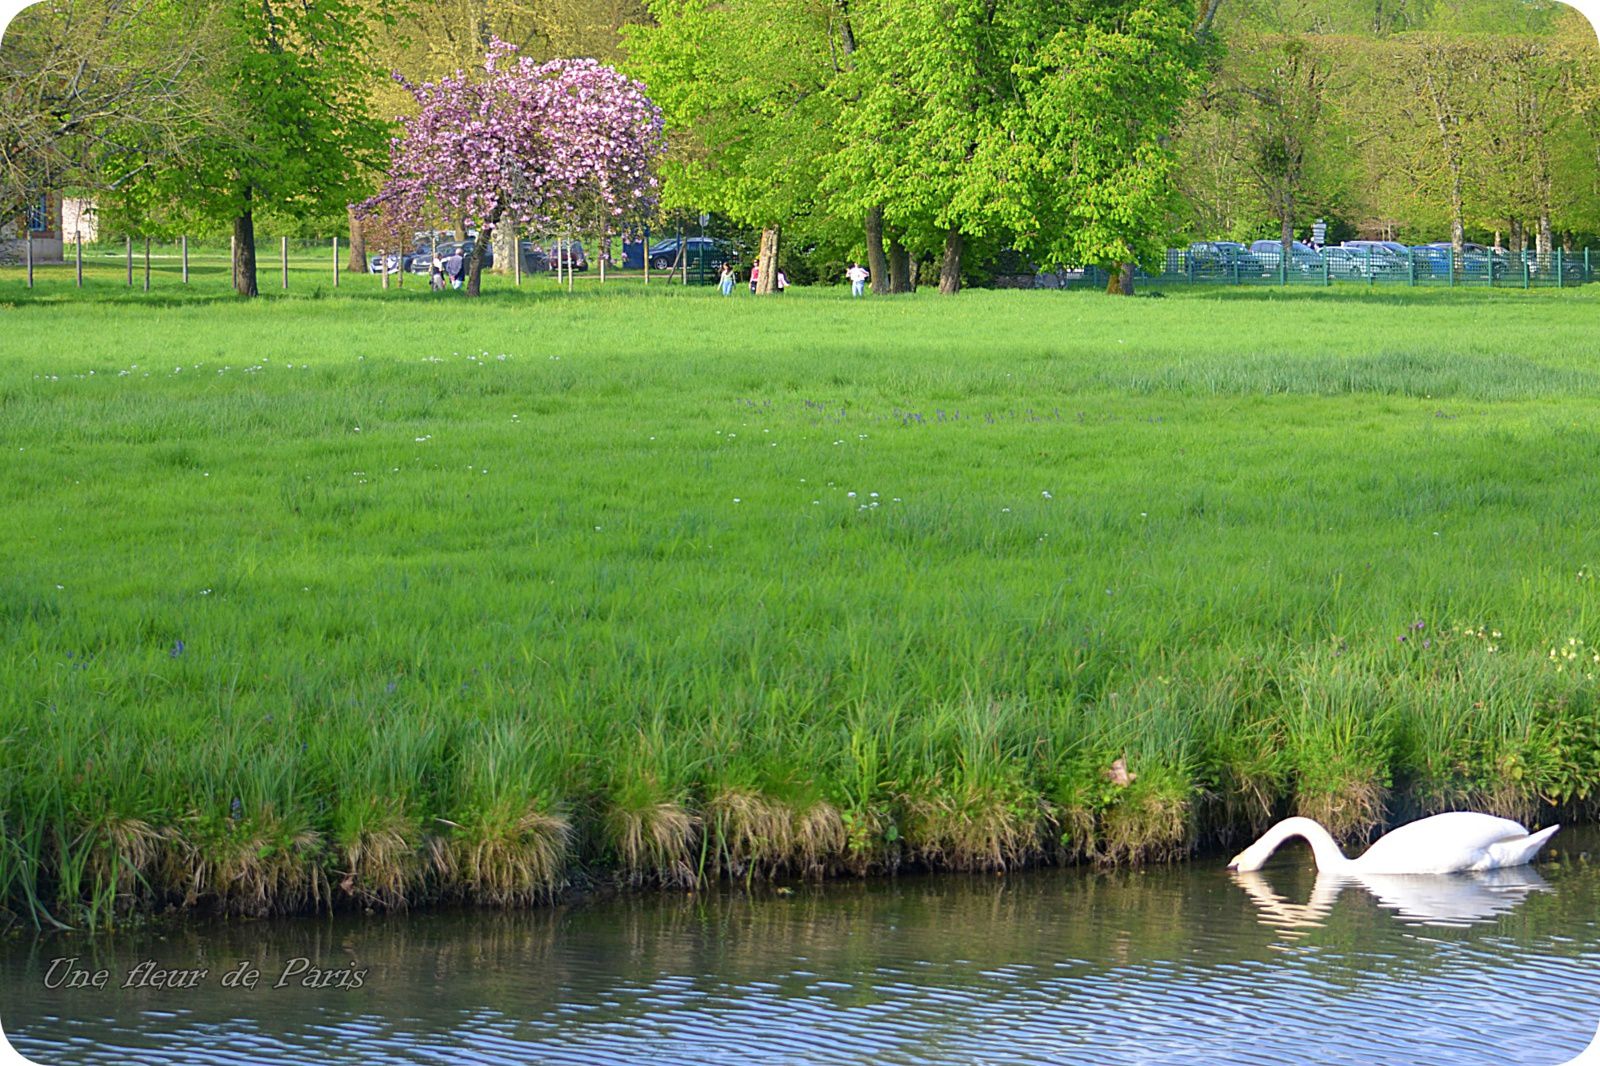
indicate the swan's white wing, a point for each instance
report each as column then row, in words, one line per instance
column 1441, row 844
column 1521, row 850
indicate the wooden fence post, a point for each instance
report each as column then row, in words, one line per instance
column 29, row 242
column 128, row 240
column 336, row 262
column 184, row 241
column 285, row 261
column 80, row 260
column 147, row 264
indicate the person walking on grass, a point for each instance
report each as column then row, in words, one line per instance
column 453, row 265
column 755, row 274
column 858, row 278
column 728, row 278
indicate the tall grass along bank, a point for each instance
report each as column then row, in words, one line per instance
column 373, row 599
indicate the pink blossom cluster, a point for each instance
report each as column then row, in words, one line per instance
column 571, row 142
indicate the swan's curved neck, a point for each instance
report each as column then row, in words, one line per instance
column 1330, row 859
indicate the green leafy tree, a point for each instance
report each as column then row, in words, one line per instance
column 1041, row 124
column 86, row 85
column 747, row 88
column 1292, row 148
column 294, row 77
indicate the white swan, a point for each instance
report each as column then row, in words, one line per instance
column 1442, row 844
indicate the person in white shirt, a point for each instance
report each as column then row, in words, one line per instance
column 858, row 278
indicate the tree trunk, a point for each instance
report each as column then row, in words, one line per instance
column 461, row 230
column 1519, row 237
column 1458, row 227
column 505, row 248
column 475, row 266
column 1547, row 242
column 877, row 262
column 244, row 252
column 767, row 262
column 358, row 245
column 1286, row 232
column 950, row 268
column 899, row 267
column 1119, row 281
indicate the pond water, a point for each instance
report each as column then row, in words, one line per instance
column 1183, row 964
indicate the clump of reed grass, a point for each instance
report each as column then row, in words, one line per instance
column 968, row 804
column 871, row 835
column 254, row 865
column 1150, row 820
column 505, row 853
column 510, row 844
column 655, row 839
column 754, row 832
column 819, row 839
column 967, row 825
column 1072, row 812
column 647, row 824
column 1340, row 742
column 379, row 849
column 123, row 853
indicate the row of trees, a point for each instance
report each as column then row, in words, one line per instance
column 1421, row 134
column 931, row 132
column 928, row 127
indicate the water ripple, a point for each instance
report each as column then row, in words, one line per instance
column 1169, row 967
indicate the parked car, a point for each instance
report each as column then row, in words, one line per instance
column 1221, row 257
column 1368, row 259
column 1572, row 271
column 393, row 262
column 664, row 254
column 1475, row 258
column 1302, row 257
column 560, row 253
column 421, row 260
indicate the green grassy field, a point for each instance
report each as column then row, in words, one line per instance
column 376, row 598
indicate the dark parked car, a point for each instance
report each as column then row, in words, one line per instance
column 664, row 254
column 1220, row 257
column 421, row 260
column 1475, row 258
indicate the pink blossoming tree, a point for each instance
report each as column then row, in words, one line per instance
column 567, row 143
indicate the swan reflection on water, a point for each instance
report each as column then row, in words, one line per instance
column 1451, row 900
